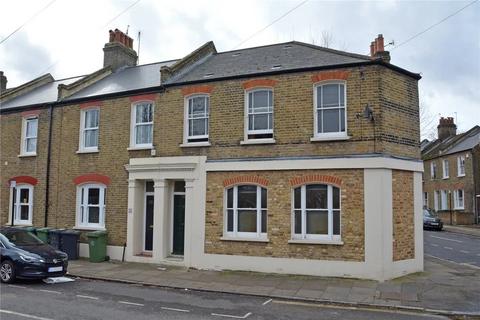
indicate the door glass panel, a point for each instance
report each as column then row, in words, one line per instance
column 24, row 195
column 317, row 222
column 179, row 186
column 24, row 212
column 247, row 221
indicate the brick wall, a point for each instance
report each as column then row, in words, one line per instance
column 403, row 215
column 279, row 217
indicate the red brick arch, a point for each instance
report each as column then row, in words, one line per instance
column 92, row 177
column 197, row 90
column 250, row 84
column 245, row 179
column 315, row 178
column 23, row 179
column 330, row 75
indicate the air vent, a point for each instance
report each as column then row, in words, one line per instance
column 275, row 67
column 207, row 75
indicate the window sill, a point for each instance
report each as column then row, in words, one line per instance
column 19, row 224
column 87, row 151
column 265, row 240
column 257, row 141
column 329, row 138
column 89, row 228
column 140, row 148
column 26, row 155
column 313, row 241
column 195, row 144
column 462, row 175
column 445, row 178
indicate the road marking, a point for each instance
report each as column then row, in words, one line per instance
column 434, row 244
column 470, row 265
column 448, row 248
column 232, row 316
column 266, row 302
column 87, row 297
column 50, row 291
column 174, row 309
column 16, row 286
column 446, row 239
column 451, row 261
column 463, row 251
column 132, row 303
column 23, row 315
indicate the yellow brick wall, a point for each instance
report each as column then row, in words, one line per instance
column 403, row 215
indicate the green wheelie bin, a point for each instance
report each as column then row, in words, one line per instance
column 42, row 233
column 97, row 245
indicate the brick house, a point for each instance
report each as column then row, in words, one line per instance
column 451, row 184
column 288, row 158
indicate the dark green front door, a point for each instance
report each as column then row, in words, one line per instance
column 178, row 223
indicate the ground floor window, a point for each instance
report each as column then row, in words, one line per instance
column 425, row 199
column 443, row 200
column 458, row 199
column 246, row 211
column 22, row 200
column 316, row 212
column 91, row 206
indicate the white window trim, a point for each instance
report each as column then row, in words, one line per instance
column 433, row 170
column 91, row 226
column 16, row 206
column 247, row 132
column 133, row 124
column 456, row 199
column 330, row 237
column 459, row 160
column 23, row 141
column 425, row 199
column 186, row 124
column 443, row 199
column 446, row 169
column 436, row 199
column 243, row 235
column 328, row 135
column 82, row 148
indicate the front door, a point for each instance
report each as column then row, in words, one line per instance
column 178, row 223
column 148, row 222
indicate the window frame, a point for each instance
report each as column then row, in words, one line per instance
column 247, row 131
column 24, row 138
column 433, row 170
column 456, row 200
column 436, row 200
column 445, row 169
column 303, row 198
column 17, row 205
column 327, row 135
column 186, row 121
column 425, row 199
column 443, row 199
column 133, row 125
column 259, row 235
column 459, row 165
column 83, row 115
column 82, row 220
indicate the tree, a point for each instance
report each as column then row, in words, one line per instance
column 427, row 123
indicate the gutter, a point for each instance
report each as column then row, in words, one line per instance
column 47, row 178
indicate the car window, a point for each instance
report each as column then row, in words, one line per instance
column 4, row 241
column 427, row 213
column 22, row 238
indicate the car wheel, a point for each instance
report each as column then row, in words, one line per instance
column 7, row 271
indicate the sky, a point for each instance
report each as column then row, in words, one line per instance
column 66, row 37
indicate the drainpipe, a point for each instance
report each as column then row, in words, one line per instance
column 47, row 178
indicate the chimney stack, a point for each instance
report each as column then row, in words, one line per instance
column 377, row 49
column 446, row 128
column 3, row 83
column 118, row 52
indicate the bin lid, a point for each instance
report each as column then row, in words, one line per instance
column 44, row 229
column 69, row 231
column 97, row 234
column 56, row 230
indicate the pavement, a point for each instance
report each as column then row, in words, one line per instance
column 445, row 287
column 473, row 230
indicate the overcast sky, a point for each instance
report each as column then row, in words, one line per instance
column 67, row 38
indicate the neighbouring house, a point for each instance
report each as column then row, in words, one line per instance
column 451, row 184
column 287, row 158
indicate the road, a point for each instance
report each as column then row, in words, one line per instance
column 86, row 299
column 459, row 248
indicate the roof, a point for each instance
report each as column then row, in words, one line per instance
column 126, row 79
column 458, row 143
column 46, row 93
column 277, row 57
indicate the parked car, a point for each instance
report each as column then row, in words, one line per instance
column 23, row 255
column 431, row 221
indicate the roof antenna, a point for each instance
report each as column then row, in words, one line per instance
column 128, row 26
column 138, row 48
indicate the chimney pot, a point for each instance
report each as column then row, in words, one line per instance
column 446, row 128
column 118, row 52
column 377, row 49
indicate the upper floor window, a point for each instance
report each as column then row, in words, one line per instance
column 196, row 118
column 89, row 122
column 142, row 125
column 91, row 206
column 259, row 116
column 330, row 109
column 458, row 199
column 316, row 212
column 246, row 211
column 433, row 170
column 29, row 136
column 22, row 201
column 446, row 169
column 460, row 166
column 443, row 200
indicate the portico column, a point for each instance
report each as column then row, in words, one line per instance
column 159, row 212
column 189, row 212
column 132, row 214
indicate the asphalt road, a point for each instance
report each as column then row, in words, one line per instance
column 459, row 248
column 86, row 299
